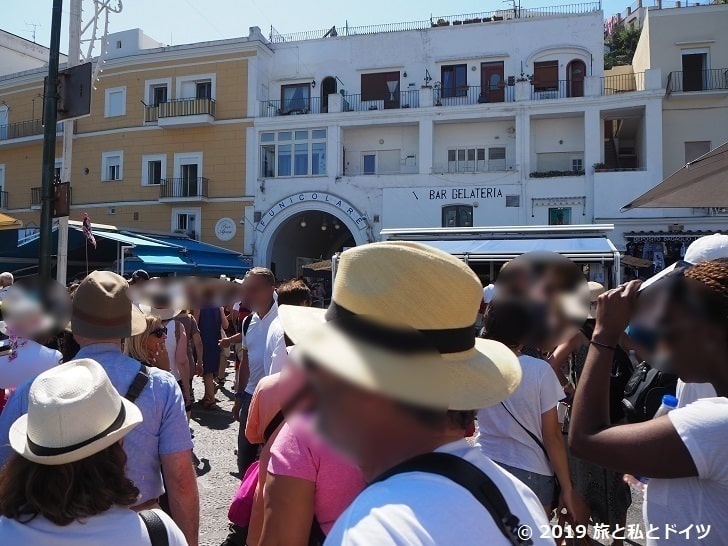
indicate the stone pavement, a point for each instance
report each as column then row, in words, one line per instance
column 215, row 441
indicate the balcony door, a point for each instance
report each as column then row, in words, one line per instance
column 159, row 95
column 189, row 179
column 575, row 71
column 491, row 82
column 3, row 122
column 694, row 66
column 328, row 87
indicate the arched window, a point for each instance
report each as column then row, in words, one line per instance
column 457, row 216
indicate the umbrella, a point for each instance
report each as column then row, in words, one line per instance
column 325, row 265
column 700, row 183
column 8, row 222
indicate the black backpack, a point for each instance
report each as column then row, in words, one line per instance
column 644, row 391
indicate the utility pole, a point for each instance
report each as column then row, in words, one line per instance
column 74, row 58
column 49, row 145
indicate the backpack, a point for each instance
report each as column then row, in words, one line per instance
column 644, row 391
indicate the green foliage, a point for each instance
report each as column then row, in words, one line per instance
column 621, row 46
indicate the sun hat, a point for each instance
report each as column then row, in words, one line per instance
column 595, row 290
column 707, row 248
column 73, row 412
column 102, row 308
column 401, row 323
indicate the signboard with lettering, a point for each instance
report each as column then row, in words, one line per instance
column 225, row 229
column 296, row 200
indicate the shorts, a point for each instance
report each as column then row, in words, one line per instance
column 542, row 485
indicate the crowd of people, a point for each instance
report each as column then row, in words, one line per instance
column 380, row 419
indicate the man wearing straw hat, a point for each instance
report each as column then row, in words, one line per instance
column 394, row 352
column 102, row 314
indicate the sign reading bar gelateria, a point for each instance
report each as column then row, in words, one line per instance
column 313, row 197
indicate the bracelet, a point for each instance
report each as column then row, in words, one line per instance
column 603, row 345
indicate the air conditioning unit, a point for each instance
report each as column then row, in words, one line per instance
column 111, row 210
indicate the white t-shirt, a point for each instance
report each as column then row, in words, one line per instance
column 701, row 500
column 488, row 293
column 502, row 439
column 422, row 509
column 115, row 526
column 256, row 340
column 687, row 393
column 32, row 359
column 171, row 345
column 276, row 354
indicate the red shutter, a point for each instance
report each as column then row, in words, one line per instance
column 546, row 75
column 374, row 86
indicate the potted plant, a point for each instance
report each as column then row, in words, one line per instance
column 443, row 23
column 600, row 167
column 457, row 22
column 523, row 77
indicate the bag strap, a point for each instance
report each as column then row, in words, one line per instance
column 531, row 434
column 272, row 426
column 470, row 477
column 246, row 323
column 155, row 527
column 287, row 408
column 137, row 386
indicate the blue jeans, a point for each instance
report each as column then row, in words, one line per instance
column 247, row 452
column 542, row 485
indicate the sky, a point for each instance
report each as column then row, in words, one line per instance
column 186, row 21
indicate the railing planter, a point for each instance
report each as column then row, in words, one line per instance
column 555, row 174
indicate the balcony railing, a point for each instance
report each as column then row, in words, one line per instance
column 180, row 108
column 403, row 99
column 183, row 188
column 704, row 80
column 623, row 83
column 23, row 129
column 3, row 199
column 36, row 195
column 561, row 89
column 290, row 107
column 474, row 95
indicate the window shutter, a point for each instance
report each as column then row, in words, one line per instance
column 374, row 86
column 546, row 74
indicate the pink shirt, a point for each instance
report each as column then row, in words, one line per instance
column 299, row 452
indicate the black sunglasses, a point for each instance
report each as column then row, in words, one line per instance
column 160, row 332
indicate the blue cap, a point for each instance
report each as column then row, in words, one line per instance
column 669, row 400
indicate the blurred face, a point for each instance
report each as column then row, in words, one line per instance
column 154, row 342
column 258, row 294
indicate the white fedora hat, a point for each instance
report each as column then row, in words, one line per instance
column 401, row 324
column 73, row 412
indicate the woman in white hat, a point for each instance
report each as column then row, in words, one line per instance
column 66, row 484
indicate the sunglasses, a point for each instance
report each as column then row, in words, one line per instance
column 160, row 332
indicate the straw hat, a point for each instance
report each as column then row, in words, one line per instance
column 102, row 308
column 401, row 324
column 73, row 412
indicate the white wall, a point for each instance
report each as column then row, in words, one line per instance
column 471, row 134
column 403, row 138
column 18, row 54
column 132, row 41
column 563, row 136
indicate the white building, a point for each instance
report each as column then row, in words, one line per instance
column 454, row 122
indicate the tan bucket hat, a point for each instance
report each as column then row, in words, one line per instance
column 102, row 308
column 73, row 412
column 401, row 324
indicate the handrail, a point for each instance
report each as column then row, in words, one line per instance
column 22, row 129
column 623, row 83
column 703, row 80
column 171, row 188
column 179, row 108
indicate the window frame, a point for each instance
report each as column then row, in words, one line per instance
column 541, row 84
column 195, row 79
column 307, row 100
column 105, row 156
column 149, row 86
column 554, row 210
column 364, row 156
column 455, row 90
column 276, row 143
column 146, row 159
column 107, row 102
column 370, row 90
column 197, row 211
column 459, row 209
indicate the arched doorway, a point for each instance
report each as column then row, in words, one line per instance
column 575, row 73
column 328, row 87
column 308, row 236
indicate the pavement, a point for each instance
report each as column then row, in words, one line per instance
column 215, row 437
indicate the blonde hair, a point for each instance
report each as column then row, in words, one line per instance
column 134, row 346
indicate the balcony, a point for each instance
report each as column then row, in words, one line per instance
column 702, row 80
column 402, row 99
column 3, row 200
column 36, row 194
column 623, row 83
column 183, row 189
column 23, row 131
column 290, row 107
column 474, row 95
column 181, row 113
column 561, row 89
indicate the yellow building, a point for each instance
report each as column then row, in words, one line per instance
column 164, row 149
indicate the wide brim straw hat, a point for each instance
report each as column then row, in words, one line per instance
column 102, row 308
column 162, row 314
column 73, row 412
column 401, row 323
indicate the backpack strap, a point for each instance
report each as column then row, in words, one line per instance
column 470, row 477
column 155, row 527
column 137, row 386
column 246, row 323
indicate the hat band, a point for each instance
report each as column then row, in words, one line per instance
column 43, row 451
column 103, row 321
column 403, row 340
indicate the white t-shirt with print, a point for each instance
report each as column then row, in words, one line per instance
column 502, row 439
column 423, row 509
column 115, row 526
column 701, row 500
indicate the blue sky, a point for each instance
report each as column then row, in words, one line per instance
column 185, row 21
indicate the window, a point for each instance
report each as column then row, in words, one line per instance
column 159, row 94
column 693, row 150
column 577, row 164
column 369, row 164
column 381, row 86
column 455, row 80
column 188, row 175
column 112, row 166
column 457, row 216
column 560, row 216
column 203, row 90
column 464, row 160
column 57, row 169
column 293, row 153
column 546, row 76
column 154, row 169
column 197, row 86
column 496, row 159
column 186, row 221
column 513, row 201
column 118, row 44
column 115, row 104
column 295, row 98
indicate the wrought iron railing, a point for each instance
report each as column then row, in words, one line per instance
column 179, row 108
column 289, row 107
column 22, row 129
column 704, row 80
column 36, row 196
column 474, row 95
column 179, row 188
column 623, row 83
column 3, row 199
column 403, row 99
column 560, row 89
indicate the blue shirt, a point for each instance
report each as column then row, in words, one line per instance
column 164, row 430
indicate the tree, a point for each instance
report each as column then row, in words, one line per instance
column 621, row 45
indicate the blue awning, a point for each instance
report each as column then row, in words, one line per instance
column 159, row 264
column 581, row 249
column 206, row 259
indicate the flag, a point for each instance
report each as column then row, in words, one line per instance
column 87, row 230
